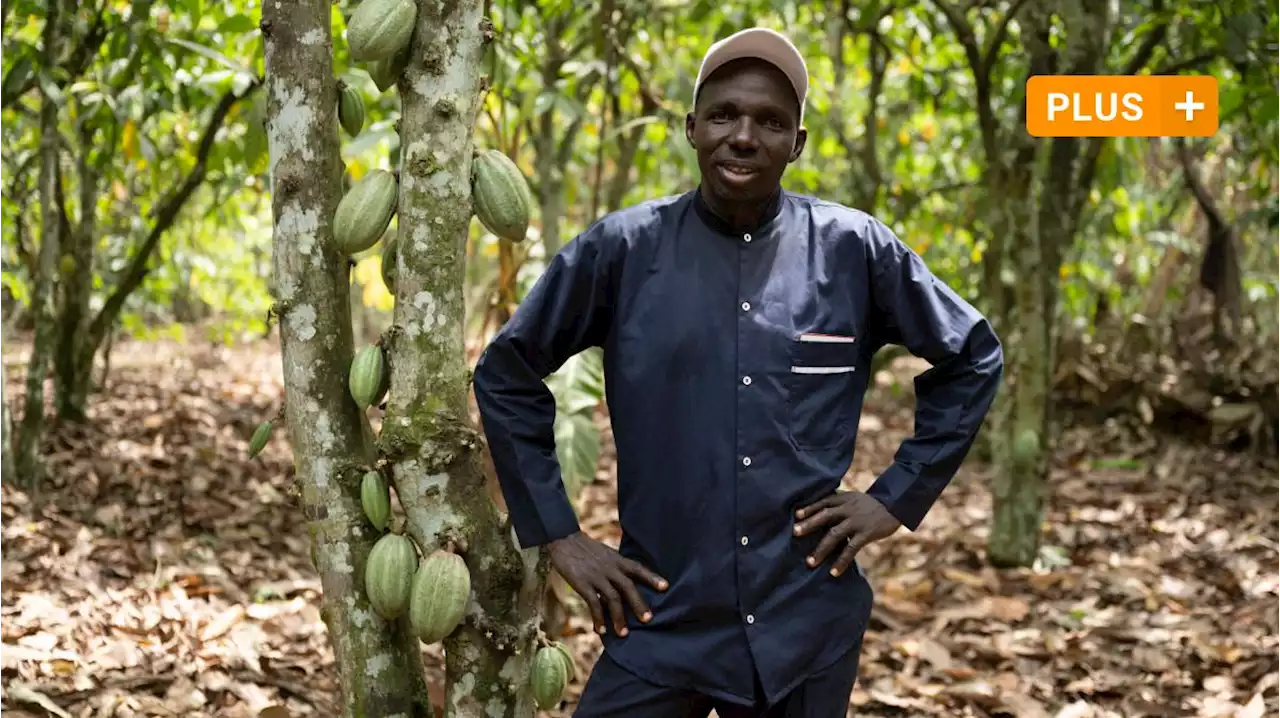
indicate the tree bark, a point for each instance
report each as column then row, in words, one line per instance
column 427, row 437
column 1045, row 228
column 45, row 279
column 73, row 363
column 379, row 662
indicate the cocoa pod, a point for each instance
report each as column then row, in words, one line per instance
column 365, row 378
column 259, row 440
column 568, row 658
column 380, row 28
column 375, row 499
column 549, row 676
column 386, row 73
column 389, row 265
column 350, row 110
column 389, row 573
column 438, row 601
column 365, row 211
column 501, row 195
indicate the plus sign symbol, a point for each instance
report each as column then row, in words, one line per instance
column 1189, row 106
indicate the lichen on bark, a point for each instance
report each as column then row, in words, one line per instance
column 432, row 447
column 379, row 662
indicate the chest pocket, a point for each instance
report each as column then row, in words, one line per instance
column 820, row 382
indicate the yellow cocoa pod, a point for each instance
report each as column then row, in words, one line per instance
column 365, row 378
column 441, row 590
column 365, row 212
column 350, row 109
column 549, row 676
column 501, row 195
column 375, row 499
column 380, row 28
column 389, row 573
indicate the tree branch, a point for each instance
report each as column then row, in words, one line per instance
column 170, row 207
column 998, row 37
column 981, row 79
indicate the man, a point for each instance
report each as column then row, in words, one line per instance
column 738, row 322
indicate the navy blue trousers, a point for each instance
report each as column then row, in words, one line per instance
column 614, row 692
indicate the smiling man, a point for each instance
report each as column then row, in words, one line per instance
column 738, row 322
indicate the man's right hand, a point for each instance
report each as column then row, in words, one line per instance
column 598, row 572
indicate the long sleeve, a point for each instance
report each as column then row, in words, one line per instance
column 569, row 309
column 914, row 308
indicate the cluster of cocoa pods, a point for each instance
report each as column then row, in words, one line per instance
column 431, row 588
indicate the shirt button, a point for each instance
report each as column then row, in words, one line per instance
column 744, row 540
column 746, row 461
column 746, row 238
column 746, row 380
column 751, row 618
column 746, row 306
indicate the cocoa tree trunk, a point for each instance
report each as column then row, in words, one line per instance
column 427, row 438
column 8, row 472
column 379, row 662
column 1040, row 226
column 45, row 278
column 73, row 362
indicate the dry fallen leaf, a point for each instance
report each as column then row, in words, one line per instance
column 167, row 574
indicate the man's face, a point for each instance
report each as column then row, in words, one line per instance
column 745, row 129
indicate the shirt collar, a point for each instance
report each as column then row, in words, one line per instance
column 773, row 209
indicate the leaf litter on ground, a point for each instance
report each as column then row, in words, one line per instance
column 161, row 573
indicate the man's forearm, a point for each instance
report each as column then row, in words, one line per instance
column 517, row 411
column 952, row 400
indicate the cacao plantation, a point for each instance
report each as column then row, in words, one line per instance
column 363, row 193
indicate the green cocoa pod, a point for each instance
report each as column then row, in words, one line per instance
column 350, row 110
column 501, row 195
column 259, row 440
column 365, row 211
column 389, row 265
column 1026, row 447
column 386, row 73
column 389, row 573
column 441, row 590
column 380, row 28
column 375, row 499
column 369, row 439
column 549, row 676
column 365, row 379
column 568, row 658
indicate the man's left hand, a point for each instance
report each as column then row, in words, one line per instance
column 855, row 520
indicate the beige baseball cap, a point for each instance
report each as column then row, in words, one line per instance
column 765, row 44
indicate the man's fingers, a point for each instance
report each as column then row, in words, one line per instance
column 588, row 593
column 822, row 517
column 614, row 601
column 848, row 554
column 821, row 503
column 835, row 536
column 642, row 572
column 632, row 596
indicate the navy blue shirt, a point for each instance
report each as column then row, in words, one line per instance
column 735, row 367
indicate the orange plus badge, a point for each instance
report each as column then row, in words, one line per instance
column 1122, row 106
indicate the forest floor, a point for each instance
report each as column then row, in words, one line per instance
column 161, row 573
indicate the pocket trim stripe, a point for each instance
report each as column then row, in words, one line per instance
column 821, row 369
column 826, row 338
